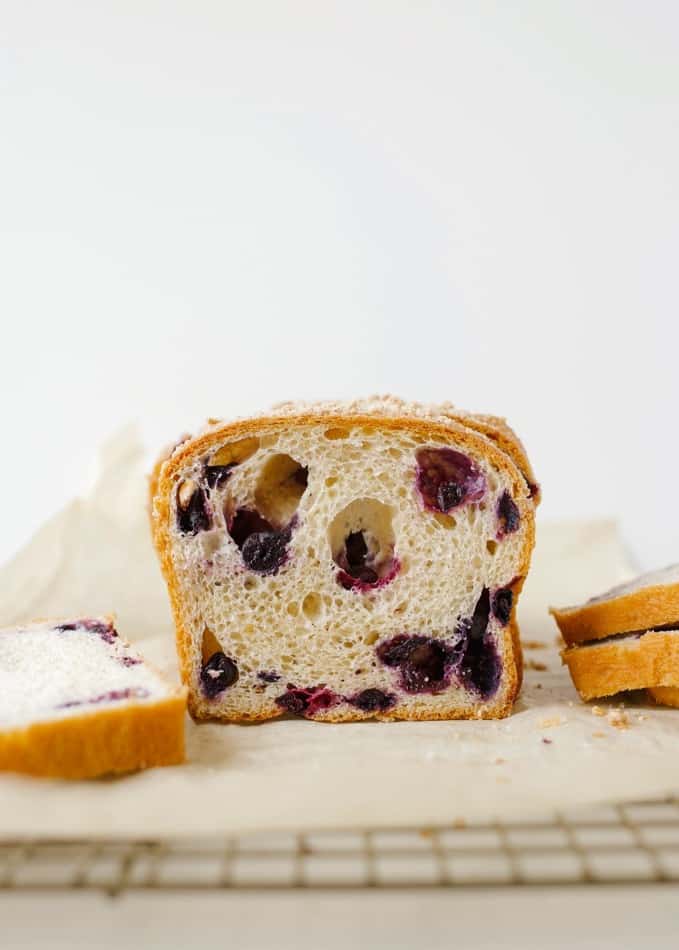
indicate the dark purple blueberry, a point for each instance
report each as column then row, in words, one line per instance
column 508, row 515
column 446, row 479
column 356, row 551
column 268, row 676
column 130, row 660
column 106, row 631
column 246, row 522
column 423, row 662
column 265, row 551
column 357, row 567
column 294, row 701
column 263, row 548
column 449, row 495
column 373, row 700
column 217, row 475
column 502, row 604
column 478, row 662
column 306, row 702
column 355, row 560
column 533, row 489
column 218, row 674
column 194, row 517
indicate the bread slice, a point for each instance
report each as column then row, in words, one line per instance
column 647, row 601
column 76, row 701
column 624, row 662
column 346, row 561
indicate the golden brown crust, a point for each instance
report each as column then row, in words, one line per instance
column 431, row 431
column 112, row 740
column 665, row 695
column 604, row 669
column 642, row 609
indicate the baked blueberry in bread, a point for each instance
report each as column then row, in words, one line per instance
column 76, row 701
column 626, row 638
column 345, row 562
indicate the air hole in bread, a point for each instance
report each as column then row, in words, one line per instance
column 330, row 481
column 446, row 521
column 312, row 606
column 362, row 542
column 337, row 433
column 491, row 547
column 279, row 489
column 210, row 645
column 234, row 452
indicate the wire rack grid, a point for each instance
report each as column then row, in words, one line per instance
column 617, row 844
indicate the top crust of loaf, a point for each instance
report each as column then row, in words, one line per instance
column 432, row 424
column 494, row 428
column 650, row 600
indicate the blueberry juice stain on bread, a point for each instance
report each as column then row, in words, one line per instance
column 347, row 561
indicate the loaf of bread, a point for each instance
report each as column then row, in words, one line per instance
column 626, row 638
column 350, row 561
column 76, row 701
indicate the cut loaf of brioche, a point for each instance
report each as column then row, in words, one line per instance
column 626, row 638
column 347, row 561
column 76, row 701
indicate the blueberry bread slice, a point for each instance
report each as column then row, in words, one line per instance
column 343, row 562
column 626, row 638
column 76, row 701
column 647, row 601
column 644, row 659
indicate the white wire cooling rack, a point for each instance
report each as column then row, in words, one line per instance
column 621, row 844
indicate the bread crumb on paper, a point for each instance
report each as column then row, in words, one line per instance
column 533, row 644
column 552, row 721
column 598, row 711
column 599, row 735
column 534, row 665
column 618, row 718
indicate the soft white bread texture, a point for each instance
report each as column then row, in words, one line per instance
column 626, row 638
column 76, row 701
column 344, row 562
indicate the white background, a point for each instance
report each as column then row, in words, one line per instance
column 206, row 207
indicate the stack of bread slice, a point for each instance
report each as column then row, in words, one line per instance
column 626, row 639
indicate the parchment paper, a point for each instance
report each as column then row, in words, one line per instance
column 552, row 753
